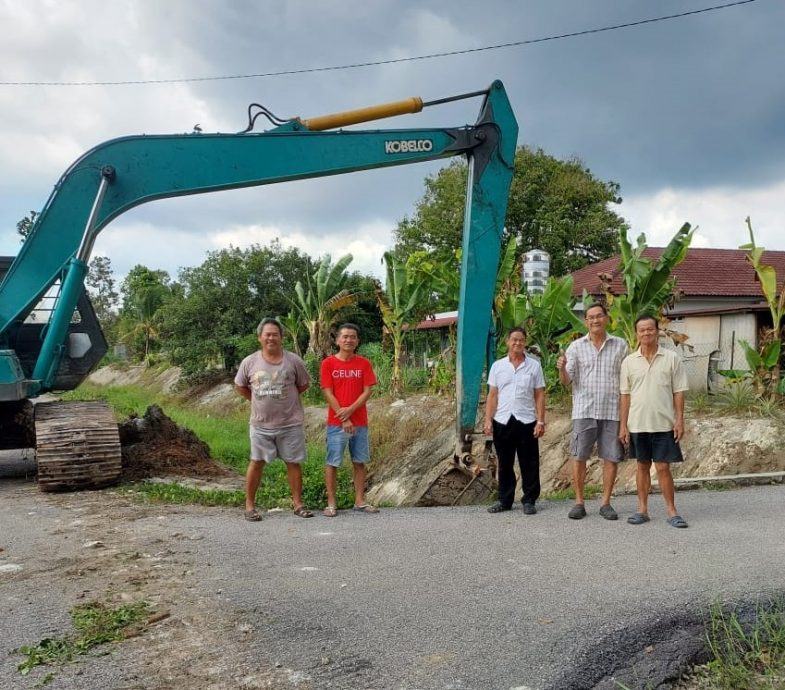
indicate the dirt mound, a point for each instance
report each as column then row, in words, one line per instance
column 153, row 445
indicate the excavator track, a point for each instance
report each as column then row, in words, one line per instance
column 77, row 446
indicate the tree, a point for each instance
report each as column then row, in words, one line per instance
column 214, row 321
column 24, row 226
column 401, row 305
column 319, row 299
column 144, row 293
column 555, row 205
column 649, row 286
column 101, row 283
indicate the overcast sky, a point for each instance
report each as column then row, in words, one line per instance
column 688, row 115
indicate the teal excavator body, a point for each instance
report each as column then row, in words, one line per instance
column 40, row 355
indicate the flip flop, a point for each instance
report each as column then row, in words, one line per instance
column 303, row 512
column 365, row 508
column 677, row 521
column 252, row 516
column 638, row 518
column 330, row 511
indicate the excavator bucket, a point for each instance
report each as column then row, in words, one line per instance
column 461, row 482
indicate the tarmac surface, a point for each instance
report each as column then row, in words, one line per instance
column 427, row 598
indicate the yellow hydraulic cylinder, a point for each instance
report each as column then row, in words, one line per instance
column 374, row 112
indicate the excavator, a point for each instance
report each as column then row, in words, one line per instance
column 50, row 338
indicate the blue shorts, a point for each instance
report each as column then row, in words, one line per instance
column 338, row 439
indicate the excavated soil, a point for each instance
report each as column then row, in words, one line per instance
column 154, row 445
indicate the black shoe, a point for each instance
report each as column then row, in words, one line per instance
column 498, row 508
column 608, row 512
column 578, row 512
column 529, row 509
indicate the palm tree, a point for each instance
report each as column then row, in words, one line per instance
column 145, row 317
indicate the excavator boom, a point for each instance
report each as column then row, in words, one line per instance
column 123, row 173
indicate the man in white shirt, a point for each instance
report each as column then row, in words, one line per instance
column 515, row 414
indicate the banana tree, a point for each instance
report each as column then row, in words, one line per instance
column 548, row 318
column 765, row 360
column 401, row 304
column 649, row 286
column 317, row 301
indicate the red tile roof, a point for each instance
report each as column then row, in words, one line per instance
column 703, row 273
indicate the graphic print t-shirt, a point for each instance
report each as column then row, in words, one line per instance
column 347, row 379
column 275, row 400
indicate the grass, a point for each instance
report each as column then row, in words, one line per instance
column 748, row 655
column 589, row 491
column 95, row 624
column 227, row 437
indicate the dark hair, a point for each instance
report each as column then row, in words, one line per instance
column 266, row 321
column 596, row 304
column 351, row 326
column 517, row 329
column 647, row 317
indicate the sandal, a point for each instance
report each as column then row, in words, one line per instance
column 330, row 511
column 638, row 518
column 252, row 515
column 365, row 508
column 677, row 521
column 303, row 512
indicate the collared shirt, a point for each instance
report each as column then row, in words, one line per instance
column 595, row 377
column 516, row 386
column 651, row 387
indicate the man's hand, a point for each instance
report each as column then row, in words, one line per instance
column 539, row 429
column 487, row 428
column 561, row 363
column 624, row 436
column 348, row 427
column 344, row 413
column 678, row 430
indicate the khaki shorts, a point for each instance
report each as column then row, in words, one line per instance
column 270, row 444
column 603, row 432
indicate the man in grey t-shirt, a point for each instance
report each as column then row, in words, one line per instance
column 273, row 379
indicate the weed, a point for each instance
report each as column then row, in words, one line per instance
column 769, row 407
column 699, row 403
column 589, row 491
column 745, row 655
column 718, row 485
column 95, row 624
column 737, row 396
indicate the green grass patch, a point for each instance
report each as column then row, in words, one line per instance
column 94, row 623
column 745, row 654
column 589, row 491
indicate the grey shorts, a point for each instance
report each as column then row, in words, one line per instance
column 269, row 444
column 602, row 432
column 659, row 446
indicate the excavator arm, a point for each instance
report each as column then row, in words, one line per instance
column 122, row 173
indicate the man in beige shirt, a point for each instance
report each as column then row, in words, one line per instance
column 652, row 385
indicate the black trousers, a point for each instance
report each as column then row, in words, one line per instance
column 511, row 439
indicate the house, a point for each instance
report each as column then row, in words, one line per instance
column 721, row 304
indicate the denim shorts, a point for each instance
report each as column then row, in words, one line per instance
column 338, row 439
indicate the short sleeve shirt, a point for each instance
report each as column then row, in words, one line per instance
column 594, row 373
column 347, row 379
column 651, row 387
column 275, row 398
column 516, row 386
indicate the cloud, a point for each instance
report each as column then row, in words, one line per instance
column 719, row 213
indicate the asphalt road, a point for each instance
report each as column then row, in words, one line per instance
column 458, row 599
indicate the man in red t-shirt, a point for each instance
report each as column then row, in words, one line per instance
column 347, row 379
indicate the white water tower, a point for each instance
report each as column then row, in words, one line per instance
column 536, row 269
